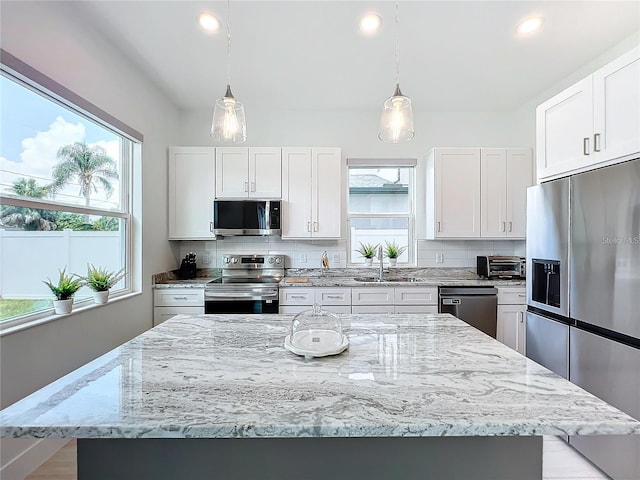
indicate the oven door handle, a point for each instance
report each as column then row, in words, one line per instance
column 228, row 296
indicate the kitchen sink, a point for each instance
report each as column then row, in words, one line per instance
column 390, row 279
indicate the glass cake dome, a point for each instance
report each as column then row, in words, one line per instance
column 316, row 333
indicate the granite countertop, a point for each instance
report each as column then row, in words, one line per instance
column 345, row 277
column 210, row 376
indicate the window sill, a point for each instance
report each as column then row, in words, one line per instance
column 13, row 326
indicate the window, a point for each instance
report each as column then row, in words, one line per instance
column 65, row 184
column 381, row 206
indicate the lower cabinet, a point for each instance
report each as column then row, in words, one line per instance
column 331, row 299
column 168, row 302
column 512, row 317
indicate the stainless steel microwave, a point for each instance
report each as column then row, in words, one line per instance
column 246, row 217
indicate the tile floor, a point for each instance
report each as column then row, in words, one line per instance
column 560, row 461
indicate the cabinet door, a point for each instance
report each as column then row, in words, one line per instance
column 333, row 296
column 372, row 296
column 297, row 296
column 617, row 108
column 416, row 296
column 511, row 326
column 191, row 192
column 232, row 172
column 493, row 186
column 519, row 177
column 296, row 195
column 326, row 207
column 457, row 192
column 564, row 126
column 265, row 173
column 170, row 297
column 162, row 314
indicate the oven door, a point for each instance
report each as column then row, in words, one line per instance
column 241, row 299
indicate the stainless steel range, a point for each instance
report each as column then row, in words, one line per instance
column 249, row 284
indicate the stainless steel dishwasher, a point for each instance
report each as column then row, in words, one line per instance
column 478, row 306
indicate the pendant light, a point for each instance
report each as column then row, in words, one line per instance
column 396, row 121
column 228, row 125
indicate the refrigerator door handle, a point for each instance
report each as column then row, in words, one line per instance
column 585, row 145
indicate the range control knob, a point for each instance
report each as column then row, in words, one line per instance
column 270, row 259
column 234, row 260
column 226, row 260
column 278, row 260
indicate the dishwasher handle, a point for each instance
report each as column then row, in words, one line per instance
column 451, row 301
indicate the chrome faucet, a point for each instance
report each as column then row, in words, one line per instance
column 381, row 258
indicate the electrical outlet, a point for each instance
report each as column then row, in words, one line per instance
column 336, row 258
column 206, row 259
column 303, row 258
column 439, row 257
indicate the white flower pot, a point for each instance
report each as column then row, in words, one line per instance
column 368, row 262
column 62, row 307
column 101, row 297
column 393, row 262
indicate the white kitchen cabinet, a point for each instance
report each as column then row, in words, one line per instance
column 191, row 192
column 512, row 314
column 593, row 123
column 453, row 193
column 297, row 299
column 168, row 302
column 372, row 296
column 312, row 193
column 254, row 172
column 505, row 174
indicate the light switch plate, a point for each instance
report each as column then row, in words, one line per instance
column 439, row 257
column 303, row 258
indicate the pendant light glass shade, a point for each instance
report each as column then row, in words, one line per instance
column 228, row 124
column 396, row 121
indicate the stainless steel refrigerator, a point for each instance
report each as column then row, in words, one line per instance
column 583, row 294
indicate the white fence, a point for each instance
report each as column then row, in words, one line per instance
column 28, row 258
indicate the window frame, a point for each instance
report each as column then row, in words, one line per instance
column 360, row 163
column 131, row 149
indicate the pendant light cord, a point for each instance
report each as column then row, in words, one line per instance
column 397, row 44
column 228, row 42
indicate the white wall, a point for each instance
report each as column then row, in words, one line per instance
column 51, row 39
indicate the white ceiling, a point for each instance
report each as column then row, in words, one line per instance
column 455, row 55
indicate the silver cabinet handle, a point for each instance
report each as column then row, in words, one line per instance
column 521, row 295
column 246, row 186
column 253, row 186
column 521, row 317
column 596, row 142
column 315, row 226
column 585, row 146
column 504, row 226
column 438, row 226
column 211, row 227
column 511, row 226
column 298, row 296
column 179, row 298
column 308, row 226
column 334, row 296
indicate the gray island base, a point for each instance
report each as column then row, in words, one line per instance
column 414, row 396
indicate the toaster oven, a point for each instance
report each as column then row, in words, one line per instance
column 501, row 266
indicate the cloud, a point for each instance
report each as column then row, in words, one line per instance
column 39, row 156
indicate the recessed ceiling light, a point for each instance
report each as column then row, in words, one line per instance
column 529, row 25
column 370, row 23
column 209, row 22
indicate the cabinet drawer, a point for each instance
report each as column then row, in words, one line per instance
column 512, row 296
column 416, row 296
column 162, row 314
column 333, row 296
column 296, row 296
column 416, row 309
column 372, row 296
column 293, row 309
column 174, row 296
column 372, row 309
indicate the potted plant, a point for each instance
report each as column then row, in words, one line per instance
column 368, row 251
column 393, row 251
column 64, row 291
column 100, row 280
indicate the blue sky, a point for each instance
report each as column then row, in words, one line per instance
column 24, row 113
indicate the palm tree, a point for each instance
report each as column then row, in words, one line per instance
column 28, row 218
column 89, row 165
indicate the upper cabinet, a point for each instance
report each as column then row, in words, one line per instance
column 312, row 193
column 477, row 192
column 505, row 174
column 191, row 192
column 594, row 123
column 254, row 172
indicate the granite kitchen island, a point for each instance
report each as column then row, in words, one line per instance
column 217, row 396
